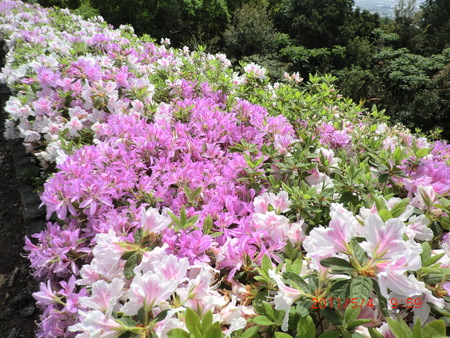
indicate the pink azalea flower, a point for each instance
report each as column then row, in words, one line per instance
column 284, row 298
column 95, row 324
column 146, row 291
column 104, row 296
column 153, row 222
column 385, row 240
column 418, row 228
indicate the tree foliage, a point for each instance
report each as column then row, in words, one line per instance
column 250, row 32
column 179, row 20
column 436, row 23
column 314, row 23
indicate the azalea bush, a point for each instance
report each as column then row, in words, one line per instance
column 186, row 199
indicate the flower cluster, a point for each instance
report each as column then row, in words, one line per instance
column 183, row 196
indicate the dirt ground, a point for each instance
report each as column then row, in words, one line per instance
column 18, row 314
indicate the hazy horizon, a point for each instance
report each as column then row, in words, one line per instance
column 382, row 7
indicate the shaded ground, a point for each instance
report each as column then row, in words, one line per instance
column 17, row 311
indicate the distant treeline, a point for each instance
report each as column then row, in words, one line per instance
column 400, row 64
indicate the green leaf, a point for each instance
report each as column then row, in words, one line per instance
column 383, row 179
column 138, row 235
column 126, row 334
column 361, row 287
column 187, row 192
column 417, row 329
column 351, row 314
column 142, row 315
column 399, row 328
column 348, row 197
column 214, row 331
column 340, row 289
column 332, row 334
column 266, row 264
column 303, row 307
column 127, row 255
column 298, row 282
column 191, row 221
column 295, row 267
column 269, row 311
column 306, row 327
column 375, row 333
column 434, row 329
column 192, row 320
column 445, row 222
column 423, row 152
column 127, row 322
column 332, row 262
column 385, row 214
column 262, row 320
column 282, row 335
column 174, row 218
column 426, row 253
column 399, row 208
column 207, row 224
column 432, row 260
column 178, row 333
column 207, row 321
column 332, row 316
column 380, row 204
column 357, row 322
column 359, row 252
column 161, row 316
column 251, row 332
column 129, row 266
column 183, row 217
column 196, row 193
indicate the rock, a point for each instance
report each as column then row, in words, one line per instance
column 28, row 196
column 27, row 311
column 35, row 227
column 6, row 314
column 33, row 213
column 14, row 333
column 21, row 299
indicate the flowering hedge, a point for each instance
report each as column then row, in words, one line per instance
column 184, row 199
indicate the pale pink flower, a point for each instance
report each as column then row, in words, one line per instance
column 418, row 228
column 149, row 258
column 281, row 202
column 96, row 324
column 425, row 197
column 384, row 240
column 172, row 268
column 319, row 180
column 104, row 296
column 261, row 203
column 412, row 288
column 343, row 226
column 284, row 298
column 146, row 291
column 74, row 126
column 107, row 263
column 256, row 71
column 275, row 225
column 297, row 232
column 153, row 222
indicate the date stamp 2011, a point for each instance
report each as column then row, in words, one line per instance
column 337, row 303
